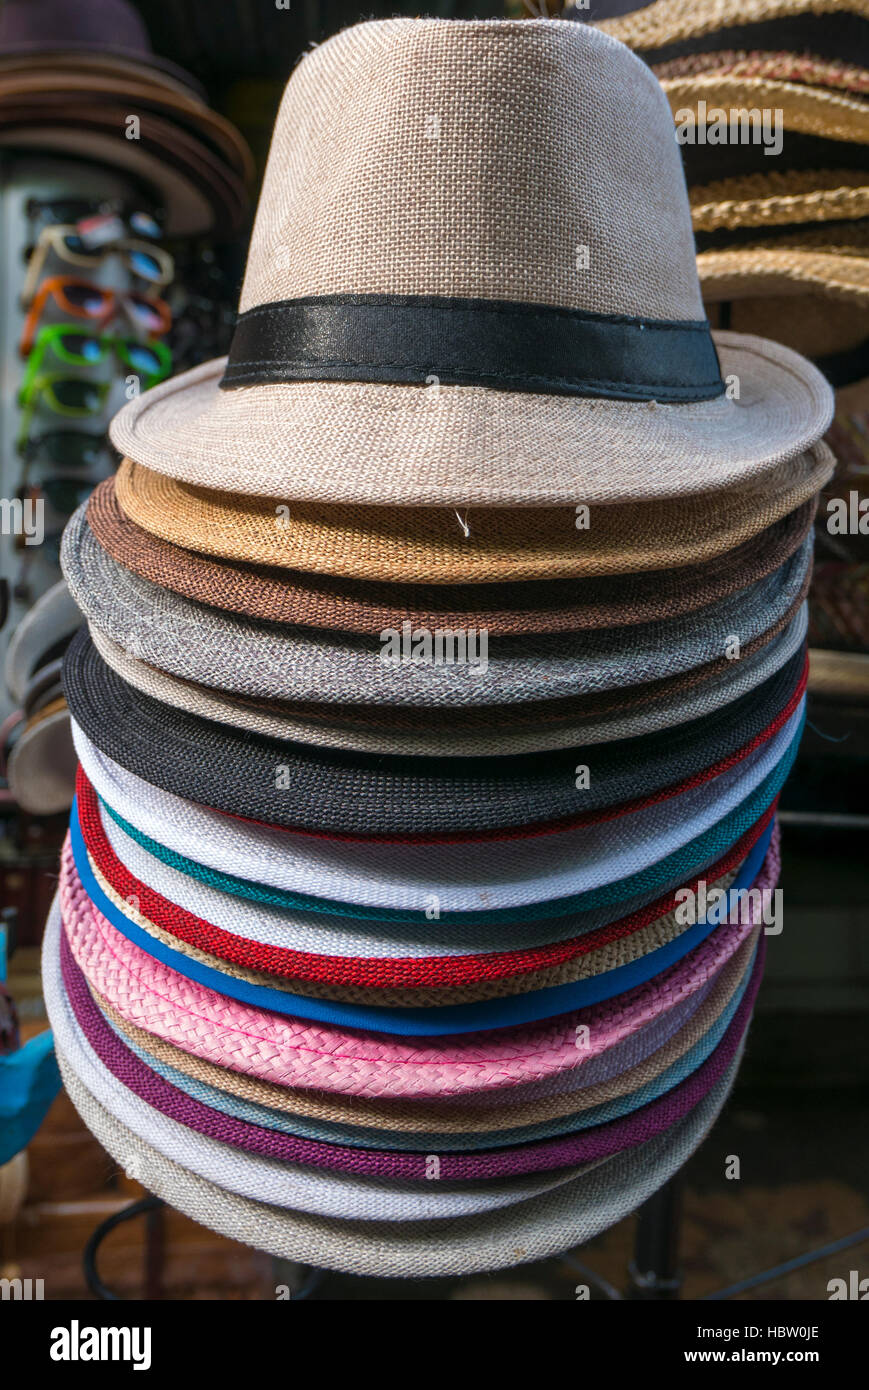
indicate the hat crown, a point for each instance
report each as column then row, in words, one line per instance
column 530, row 161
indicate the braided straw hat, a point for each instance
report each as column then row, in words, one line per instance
column 485, row 314
column 668, row 29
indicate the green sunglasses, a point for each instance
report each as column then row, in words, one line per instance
column 81, row 347
column 73, row 396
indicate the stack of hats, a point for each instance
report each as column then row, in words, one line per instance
column 71, row 79
column 783, row 230
column 445, row 660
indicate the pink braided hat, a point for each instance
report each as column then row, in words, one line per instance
column 294, row 1053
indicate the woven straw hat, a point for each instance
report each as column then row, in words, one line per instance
column 113, row 1071
column 292, row 1052
column 429, row 740
column 831, row 29
column 595, row 954
column 358, row 878
column 404, row 1017
column 266, row 661
column 517, row 1119
column 339, row 604
column 509, row 729
column 418, row 271
column 429, row 545
column 454, row 1115
column 332, row 793
column 42, row 763
column 570, row 1215
column 684, row 1050
column 839, row 675
column 834, row 75
column 538, row 792
column 780, row 199
column 353, row 950
column 578, row 960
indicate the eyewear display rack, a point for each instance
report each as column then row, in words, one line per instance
column 30, row 570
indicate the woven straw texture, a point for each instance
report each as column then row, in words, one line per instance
column 780, row 66
column 599, row 1142
column 740, row 273
column 588, row 1143
column 673, row 1059
column 400, row 1120
column 716, row 692
column 511, row 971
column 289, row 1053
column 269, row 662
column 571, row 1215
column 664, row 22
column 840, row 607
column 366, row 870
column 412, row 1019
column 779, row 199
column 340, row 794
column 590, row 956
column 83, row 1039
column 374, row 943
column 422, row 545
column 811, row 111
column 387, row 202
column 336, row 604
column 521, row 1122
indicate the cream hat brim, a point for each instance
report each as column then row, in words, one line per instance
column 369, row 443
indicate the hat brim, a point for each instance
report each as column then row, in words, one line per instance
column 53, row 619
column 264, row 661
column 780, row 200
column 146, row 63
column 339, row 604
column 49, row 88
column 42, row 765
column 741, row 273
column 767, row 63
column 809, row 110
column 369, row 443
column 429, row 545
column 545, row 1225
column 162, row 74
column 195, row 204
column 714, row 693
column 330, row 794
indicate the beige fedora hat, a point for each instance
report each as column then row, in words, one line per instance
column 449, row 303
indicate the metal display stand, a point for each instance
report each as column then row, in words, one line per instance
column 653, row 1273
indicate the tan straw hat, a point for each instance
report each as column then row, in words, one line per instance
column 428, row 545
column 827, row 28
column 447, row 303
column 804, row 109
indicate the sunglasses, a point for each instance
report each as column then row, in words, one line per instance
column 74, row 396
column 150, row 263
column 62, row 494
column 82, row 300
column 65, row 449
column 49, row 210
column 80, row 347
